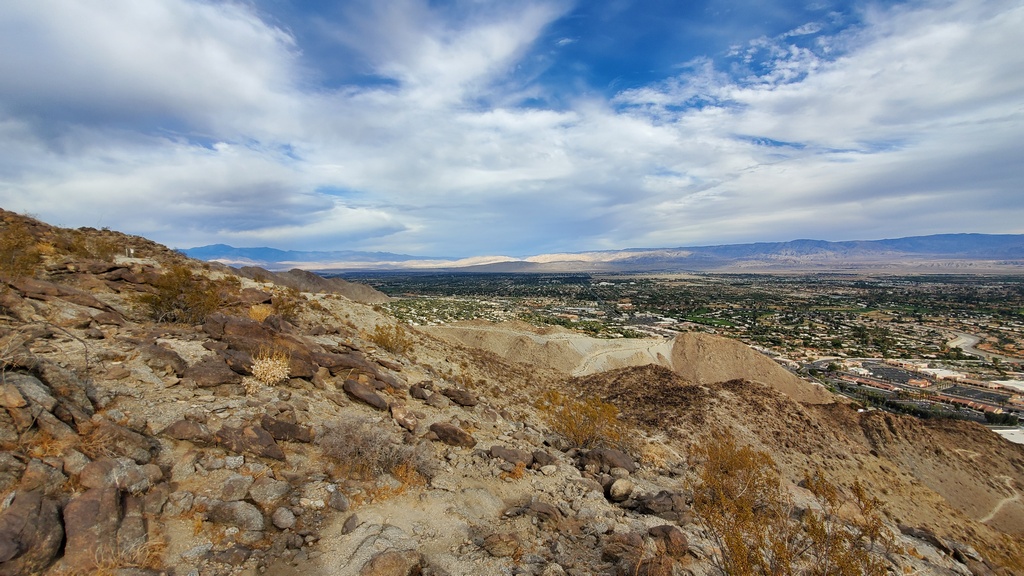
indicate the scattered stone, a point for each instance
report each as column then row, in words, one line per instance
column 461, row 397
column 620, row 490
column 351, row 523
column 283, row 518
column 241, row 514
column 452, row 435
column 338, row 501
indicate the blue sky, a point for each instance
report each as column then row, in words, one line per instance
column 479, row 128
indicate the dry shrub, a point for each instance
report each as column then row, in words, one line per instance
column 516, row 473
column 740, row 501
column 43, row 445
column 95, row 442
column 657, row 455
column 585, row 423
column 270, row 366
column 181, row 296
column 288, row 304
column 394, row 339
column 260, row 312
column 368, row 449
column 19, row 255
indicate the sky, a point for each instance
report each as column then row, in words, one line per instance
column 477, row 127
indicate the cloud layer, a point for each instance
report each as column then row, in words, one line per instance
column 465, row 129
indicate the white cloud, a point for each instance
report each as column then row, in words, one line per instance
column 194, row 122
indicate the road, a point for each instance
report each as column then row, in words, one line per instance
column 966, row 343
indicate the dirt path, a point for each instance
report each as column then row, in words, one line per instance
column 660, row 352
column 999, row 506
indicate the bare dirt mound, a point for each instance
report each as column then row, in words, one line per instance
column 705, row 359
column 697, row 358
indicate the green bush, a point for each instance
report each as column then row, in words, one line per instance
column 181, row 296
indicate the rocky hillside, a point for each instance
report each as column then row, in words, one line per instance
column 164, row 416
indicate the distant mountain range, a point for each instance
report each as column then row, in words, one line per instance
column 937, row 253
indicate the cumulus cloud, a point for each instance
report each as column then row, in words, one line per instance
column 199, row 122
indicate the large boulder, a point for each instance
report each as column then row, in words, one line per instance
column 252, row 439
column 365, row 394
column 92, row 520
column 604, row 459
column 31, row 534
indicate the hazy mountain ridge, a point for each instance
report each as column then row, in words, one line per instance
column 935, row 250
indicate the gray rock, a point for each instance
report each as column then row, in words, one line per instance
column 512, row 455
column 338, row 501
column 235, row 487
column 212, row 371
column 283, row 518
column 241, row 514
column 620, row 490
column 268, row 492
